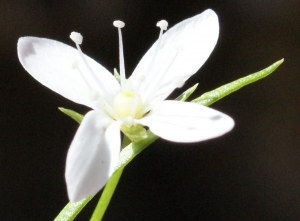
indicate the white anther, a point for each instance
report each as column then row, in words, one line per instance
column 163, row 24
column 76, row 37
column 74, row 65
column 119, row 24
column 178, row 81
column 141, row 78
column 180, row 48
column 94, row 95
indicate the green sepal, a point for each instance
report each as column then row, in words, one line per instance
column 133, row 149
column 74, row 115
column 135, row 133
column 185, row 95
column 211, row 97
column 117, row 75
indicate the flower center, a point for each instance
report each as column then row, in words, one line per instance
column 128, row 104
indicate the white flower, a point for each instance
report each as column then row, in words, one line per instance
column 138, row 100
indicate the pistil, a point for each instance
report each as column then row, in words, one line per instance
column 124, row 103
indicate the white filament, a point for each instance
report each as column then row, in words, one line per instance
column 95, row 96
column 75, row 66
column 91, row 70
column 77, row 38
column 119, row 25
column 163, row 26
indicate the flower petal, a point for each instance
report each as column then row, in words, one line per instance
column 186, row 122
column 53, row 64
column 92, row 156
column 184, row 49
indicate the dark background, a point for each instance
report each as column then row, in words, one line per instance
column 251, row 173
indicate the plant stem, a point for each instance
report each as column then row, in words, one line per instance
column 106, row 196
column 109, row 189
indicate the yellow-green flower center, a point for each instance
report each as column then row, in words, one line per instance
column 127, row 104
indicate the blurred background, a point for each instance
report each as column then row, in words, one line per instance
column 251, row 173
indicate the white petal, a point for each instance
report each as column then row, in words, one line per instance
column 53, row 63
column 193, row 39
column 186, row 122
column 92, row 156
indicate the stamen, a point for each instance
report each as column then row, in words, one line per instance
column 163, row 24
column 180, row 48
column 77, row 38
column 119, row 25
column 75, row 66
column 141, row 77
column 95, row 96
column 178, row 81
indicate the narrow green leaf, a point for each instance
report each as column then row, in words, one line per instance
column 71, row 210
column 211, row 97
column 185, row 95
column 74, row 115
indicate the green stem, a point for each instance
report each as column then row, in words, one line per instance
column 106, row 196
column 109, row 189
